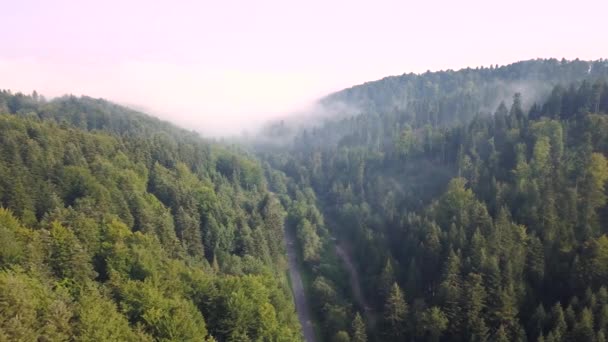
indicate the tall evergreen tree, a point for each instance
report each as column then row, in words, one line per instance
column 358, row 329
column 395, row 314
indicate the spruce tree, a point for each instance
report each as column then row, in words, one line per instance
column 395, row 314
column 358, row 329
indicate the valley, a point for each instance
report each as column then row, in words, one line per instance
column 465, row 205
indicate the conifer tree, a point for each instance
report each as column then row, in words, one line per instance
column 395, row 314
column 358, row 329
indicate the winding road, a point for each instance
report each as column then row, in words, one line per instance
column 298, row 288
column 342, row 252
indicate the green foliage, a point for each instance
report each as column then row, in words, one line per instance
column 486, row 217
column 99, row 320
column 433, row 323
column 341, row 336
column 30, row 310
column 109, row 220
column 395, row 314
column 358, row 329
column 116, row 226
column 311, row 244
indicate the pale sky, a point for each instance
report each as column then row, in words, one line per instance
column 224, row 66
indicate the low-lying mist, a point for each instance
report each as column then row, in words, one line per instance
column 434, row 98
column 269, row 107
column 215, row 102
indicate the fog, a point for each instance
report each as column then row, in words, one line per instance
column 222, row 68
column 220, row 103
column 213, row 102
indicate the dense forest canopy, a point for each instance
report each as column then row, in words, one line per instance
column 437, row 99
column 470, row 204
column 118, row 227
column 467, row 223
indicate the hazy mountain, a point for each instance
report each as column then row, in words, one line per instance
column 473, row 203
column 461, row 205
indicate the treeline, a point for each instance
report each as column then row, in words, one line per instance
column 371, row 114
column 491, row 230
column 118, row 227
column 448, row 97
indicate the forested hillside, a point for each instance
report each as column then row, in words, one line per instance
column 468, row 222
column 118, row 227
column 468, row 205
column 433, row 99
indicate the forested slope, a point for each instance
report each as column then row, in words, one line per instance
column 468, row 223
column 446, row 97
column 473, row 202
column 118, row 227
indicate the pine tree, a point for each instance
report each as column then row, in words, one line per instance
column 516, row 113
column 507, row 310
column 601, row 336
column 188, row 230
column 433, row 322
column 583, row 330
column 387, row 279
column 395, row 314
column 558, row 322
column 478, row 251
column 500, row 335
column 537, row 321
column 358, row 329
column 535, row 261
column 474, row 303
column 602, row 322
column 451, row 291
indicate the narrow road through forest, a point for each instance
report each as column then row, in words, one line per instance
column 298, row 288
column 343, row 253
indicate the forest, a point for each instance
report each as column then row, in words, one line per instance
column 118, row 227
column 472, row 204
column 468, row 224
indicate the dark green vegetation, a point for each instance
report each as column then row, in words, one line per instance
column 470, row 219
column 118, row 227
